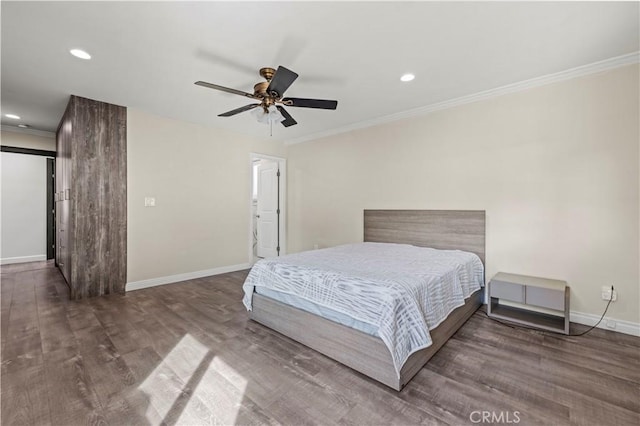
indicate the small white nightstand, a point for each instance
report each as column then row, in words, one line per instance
column 533, row 291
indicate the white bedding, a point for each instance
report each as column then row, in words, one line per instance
column 401, row 290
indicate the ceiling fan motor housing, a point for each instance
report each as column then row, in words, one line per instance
column 260, row 89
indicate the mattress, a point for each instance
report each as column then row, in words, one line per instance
column 397, row 292
column 319, row 310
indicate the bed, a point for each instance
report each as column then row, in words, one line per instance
column 377, row 355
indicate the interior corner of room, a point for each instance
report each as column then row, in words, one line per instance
column 562, row 199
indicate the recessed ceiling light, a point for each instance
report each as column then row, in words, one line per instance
column 407, row 77
column 15, row 117
column 24, row 126
column 78, row 53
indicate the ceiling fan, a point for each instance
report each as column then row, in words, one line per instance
column 270, row 96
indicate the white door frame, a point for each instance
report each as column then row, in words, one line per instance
column 282, row 165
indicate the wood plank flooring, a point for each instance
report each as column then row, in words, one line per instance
column 186, row 354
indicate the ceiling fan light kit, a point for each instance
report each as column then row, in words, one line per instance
column 270, row 95
column 268, row 115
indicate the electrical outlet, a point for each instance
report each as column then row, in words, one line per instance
column 149, row 202
column 606, row 293
column 611, row 324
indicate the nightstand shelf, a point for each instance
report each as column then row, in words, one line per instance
column 526, row 291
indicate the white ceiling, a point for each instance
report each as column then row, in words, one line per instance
column 148, row 55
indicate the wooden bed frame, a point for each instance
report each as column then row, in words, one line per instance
column 442, row 229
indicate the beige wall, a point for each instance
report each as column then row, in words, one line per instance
column 556, row 169
column 25, row 140
column 200, row 179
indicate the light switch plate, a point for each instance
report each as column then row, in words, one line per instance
column 149, row 202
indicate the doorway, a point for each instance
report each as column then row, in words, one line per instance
column 28, row 182
column 267, row 226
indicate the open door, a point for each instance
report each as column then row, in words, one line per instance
column 268, row 209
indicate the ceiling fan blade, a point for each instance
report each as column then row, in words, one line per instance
column 238, row 110
column 282, row 79
column 225, row 89
column 310, row 103
column 288, row 119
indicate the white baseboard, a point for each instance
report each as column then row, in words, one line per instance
column 23, row 259
column 137, row 285
column 621, row 326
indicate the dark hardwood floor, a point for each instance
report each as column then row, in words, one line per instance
column 187, row 354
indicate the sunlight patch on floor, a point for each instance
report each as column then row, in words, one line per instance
column 193, row 373
column 222, row 398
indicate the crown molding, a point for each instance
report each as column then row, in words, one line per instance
column 595, row 67
column 28, row 131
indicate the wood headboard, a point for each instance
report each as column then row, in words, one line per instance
column 440, row 229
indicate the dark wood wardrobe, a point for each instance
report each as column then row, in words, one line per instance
column 91, row 197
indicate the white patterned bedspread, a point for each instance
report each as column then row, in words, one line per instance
column 403, row 290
